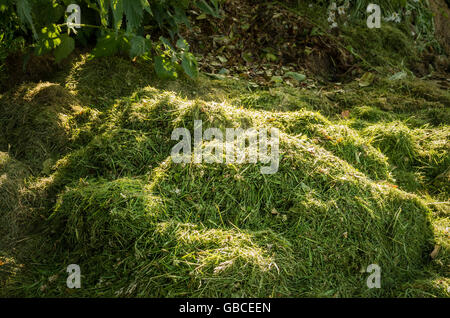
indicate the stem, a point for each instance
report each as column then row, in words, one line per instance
column 82, row 25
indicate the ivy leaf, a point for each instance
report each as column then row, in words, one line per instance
column 65, row 48
column 189, row 64
column 164, row 68
column 139, row 46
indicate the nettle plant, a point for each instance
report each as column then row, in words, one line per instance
column 115, row 26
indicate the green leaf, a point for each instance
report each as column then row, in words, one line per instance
column 103, row 12
column 167, row 44
column 117, row 10
column 297, row 76
column 48, row 40
column 24, row 13
column 164, row 68
column 224, row 71
column 182, row 44
column 206, row 8
column 366, row 79
column 107, row 46
column 222, row 59
column 134, row 12
column 398, row 76
column 276, row 79
column 65, row 48
column 189, row 64
column 271, row 57
column 247, row 56
column 139, row 46
column 201, row 16
column 146, row 6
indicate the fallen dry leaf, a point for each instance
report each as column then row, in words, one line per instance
column 345, row 114
column 435, row 251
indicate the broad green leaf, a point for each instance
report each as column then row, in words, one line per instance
column 222, row 59
column 164, row 68
column 139, row 46
column 48, row 40
column 107, row 46
column 24, row 13
column 134, row 12
column 65, row 48
column 224, row 71
column 201, row 16
column 247, row 56
column 189, row 64
column 271, row 57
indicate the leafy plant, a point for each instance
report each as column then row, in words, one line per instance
column 122, row 27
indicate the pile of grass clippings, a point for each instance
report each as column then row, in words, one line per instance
column 140, row 225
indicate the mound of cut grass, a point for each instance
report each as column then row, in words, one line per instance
column 415, row 153
column 12, row 216
column 227, row 230
column 35, row 121
column 139, row 224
